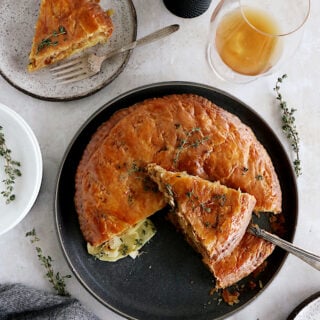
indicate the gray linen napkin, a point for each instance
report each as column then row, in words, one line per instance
column 20, row 302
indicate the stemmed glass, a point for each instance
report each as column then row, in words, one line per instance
column 250, row 38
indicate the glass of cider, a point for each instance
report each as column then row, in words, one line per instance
column 251, row 38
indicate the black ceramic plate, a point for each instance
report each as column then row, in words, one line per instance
column 168, row 281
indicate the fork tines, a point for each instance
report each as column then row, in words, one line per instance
column 67, row 64
column 71, row 71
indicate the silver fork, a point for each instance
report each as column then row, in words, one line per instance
column 89, row 65
column 304, row 255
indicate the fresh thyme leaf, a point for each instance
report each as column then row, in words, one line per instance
column 57, row 281
column 220, row 198
column 205, row 208
column 32, row 234
column 138, row 242
column 47, row 42
column 11, row 170
column 134, row 168
column 288, row 125
column 244, row 170
column 185, row 143
column 189, row 194
column 124, row 249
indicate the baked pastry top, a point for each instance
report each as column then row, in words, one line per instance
column 181, row 133
column 65, row 27
column 213, row 217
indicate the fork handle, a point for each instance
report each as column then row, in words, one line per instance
column 159, row 34
column 304, row 255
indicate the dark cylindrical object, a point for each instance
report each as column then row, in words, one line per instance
column 187, row 8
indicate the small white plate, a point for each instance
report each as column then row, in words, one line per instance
column 309, row 309
column 24, row 147
column 17, row 22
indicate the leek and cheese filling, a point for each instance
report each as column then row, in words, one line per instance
column 127, row 244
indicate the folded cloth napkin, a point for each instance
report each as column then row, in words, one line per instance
column 20, row 302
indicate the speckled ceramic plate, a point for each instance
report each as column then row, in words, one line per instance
column 24, row 147
column 169, row 280
column 17, row 23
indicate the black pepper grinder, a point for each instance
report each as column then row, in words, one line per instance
column 187, row 8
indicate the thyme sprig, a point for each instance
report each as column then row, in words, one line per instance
column 288, row 125
column 11, row 169
column 185, row 143
column 57, row 281
column 47, row 42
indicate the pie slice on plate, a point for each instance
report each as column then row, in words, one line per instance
column 65, row 27
column 214, row 220
column 213, row 217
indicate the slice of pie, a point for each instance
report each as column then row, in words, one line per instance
column 213, row 217
column 243, row 260
column 65, row 27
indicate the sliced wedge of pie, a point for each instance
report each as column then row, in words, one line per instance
column 212, row 217
column 65, row 27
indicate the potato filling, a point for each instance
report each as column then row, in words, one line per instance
column 127, row 244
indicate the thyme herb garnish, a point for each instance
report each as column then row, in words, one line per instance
column 140, row 174
column 185, row 143
column 57, row 281
column 138, row 242
column 124, row 249
column 217, row 199
column 11, row 169
column 134, row 168
column 288, row 125
column 47, row 42
column 220, row 198
column 204, row 207
column 244, row 170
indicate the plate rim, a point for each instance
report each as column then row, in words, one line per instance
column 303, row 305
column 39, row 164
column 97, row 88
column 136, row 90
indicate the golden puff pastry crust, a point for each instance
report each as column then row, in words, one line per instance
column 243, row 260
column 181, row 133
column 65, row 27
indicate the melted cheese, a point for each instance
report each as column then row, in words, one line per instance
column 128, row 243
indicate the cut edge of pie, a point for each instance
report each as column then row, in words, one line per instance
column 66, row 27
